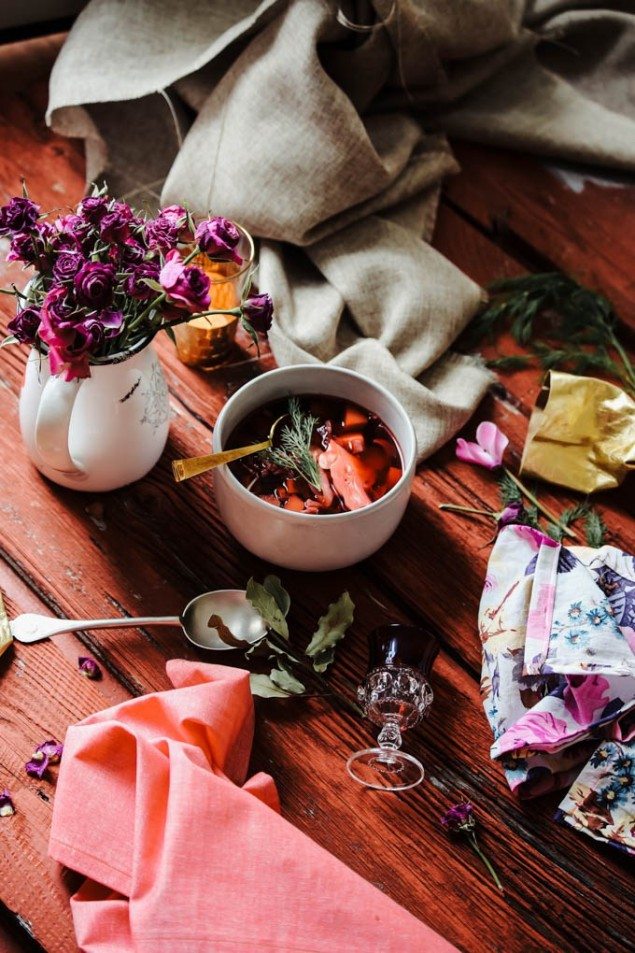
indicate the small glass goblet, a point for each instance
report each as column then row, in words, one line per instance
column 395, row 694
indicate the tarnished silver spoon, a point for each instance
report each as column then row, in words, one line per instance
column 200, row 621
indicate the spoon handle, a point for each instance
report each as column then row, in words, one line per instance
column 31, row 627
column 193, row 466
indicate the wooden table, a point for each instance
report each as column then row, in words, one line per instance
column 149, row 548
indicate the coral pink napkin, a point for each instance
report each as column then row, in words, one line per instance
column 180, row 858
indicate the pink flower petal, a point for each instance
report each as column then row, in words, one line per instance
column 492, row 440
column 472, row 453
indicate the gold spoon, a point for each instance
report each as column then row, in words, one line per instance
column 194, row 466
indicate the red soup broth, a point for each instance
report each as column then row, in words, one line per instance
column 357, row 456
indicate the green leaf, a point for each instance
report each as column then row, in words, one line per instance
column 331, row 628
column 170, row 333
column 151, row 283
column 509, row 362
column 284, row 679
column 509, row 492
column 275, row 588
column 264, row 687
column 267, row 607
column 12, row 339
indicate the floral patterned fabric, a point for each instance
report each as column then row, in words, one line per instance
column 558, row 632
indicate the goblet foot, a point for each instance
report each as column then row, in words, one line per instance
column 385, row 769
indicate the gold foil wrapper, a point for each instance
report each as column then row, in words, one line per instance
column 5, row 632
column 581, row 434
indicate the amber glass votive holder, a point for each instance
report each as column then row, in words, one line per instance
column 207, row 339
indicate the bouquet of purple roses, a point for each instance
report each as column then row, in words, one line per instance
column 107, row 280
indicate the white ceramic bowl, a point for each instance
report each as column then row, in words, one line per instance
column 302, row 540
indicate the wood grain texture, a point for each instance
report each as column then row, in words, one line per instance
column 150, row 547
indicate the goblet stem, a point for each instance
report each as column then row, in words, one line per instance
column 390, row 736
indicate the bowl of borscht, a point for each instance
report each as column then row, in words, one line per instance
column 333, row 486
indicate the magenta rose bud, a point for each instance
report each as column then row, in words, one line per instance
column 134, row 284
column 131, row 252
column 175, row 214
column 185, row 285
column 18, row 215
column 88, row 667
column 94, row 283
column 218, row 237
column 93, row 207
column 162, row 234
column 115, row 225
column 67, row 264
column 6, row 804
column 258, row 310
column 25, row 325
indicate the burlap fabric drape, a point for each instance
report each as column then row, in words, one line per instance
column 329, row 146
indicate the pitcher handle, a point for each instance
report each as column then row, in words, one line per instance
column 53, row 422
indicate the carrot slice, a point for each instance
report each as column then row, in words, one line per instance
column 353, row 442
column 354, row 418
column 393, row 477
column 296, row 504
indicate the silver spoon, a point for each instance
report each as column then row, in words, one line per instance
column 229, row 607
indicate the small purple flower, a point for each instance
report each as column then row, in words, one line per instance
column 67, row 264
column 185, row 285
column 513, row 513
column 88, row 667
column 18, row 215
column 115, row 225
column 71, row 230
column 49, row 752
column 489, row 447
column 162, row 234
column 459, row 817
column 218, row 237
column 135, row 285
column 258, row 310
column 31, row 247
column 93, row 207
column 94, row 284
column 6, row 804
column 25, row 325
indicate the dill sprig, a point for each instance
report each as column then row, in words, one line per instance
column 565, row 325
column 595, row 529
column 294, row 452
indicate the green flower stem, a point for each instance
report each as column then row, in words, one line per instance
column 543, row 509
column 310, row 672
column 161, row 298
column 454, row 508
column 477, row 850
column 629, row 380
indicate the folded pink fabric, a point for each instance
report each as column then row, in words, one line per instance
column 180, row 858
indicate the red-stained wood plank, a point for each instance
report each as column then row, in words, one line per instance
column 587, row 233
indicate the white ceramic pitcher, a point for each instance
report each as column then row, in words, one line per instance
column 99, row 433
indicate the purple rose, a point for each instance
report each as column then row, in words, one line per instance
column 131, row 252
column 71, row 231
column 185, row 285
column 93, row 207
column 135, row 285
column 33, row 247
column 67, row 264
column 258, row 310
column 162, row 234
column 218, row 237
column 114, row 226
column 56, row 308
column 94, row 284
column 88, row 667
column 18, row 215
column 25, row 325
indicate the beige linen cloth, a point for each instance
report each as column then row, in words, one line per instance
column 328, row 144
